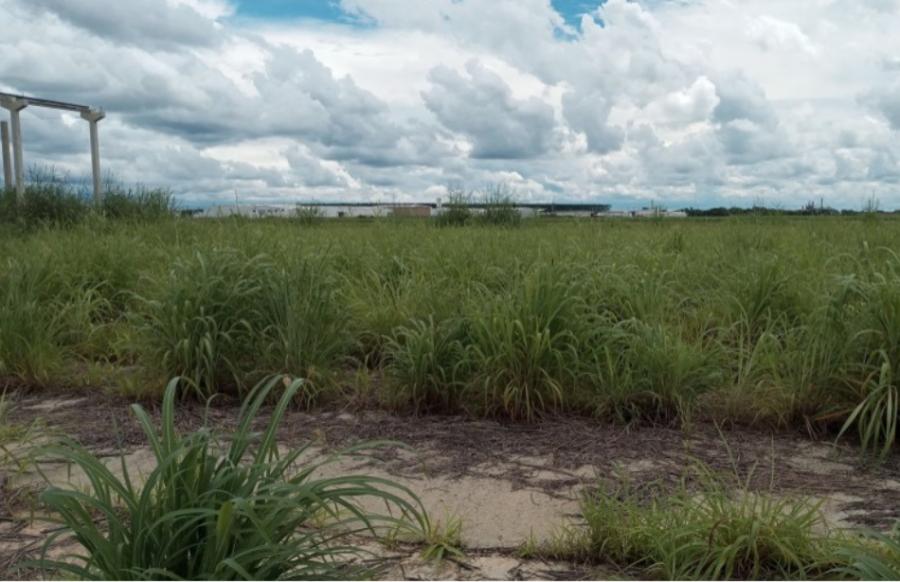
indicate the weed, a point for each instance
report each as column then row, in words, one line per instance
column 218, row 507
column 443, row 540
column 709, row 534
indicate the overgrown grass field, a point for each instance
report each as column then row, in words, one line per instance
column 781, row 321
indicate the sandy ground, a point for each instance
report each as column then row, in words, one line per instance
column 506, row 483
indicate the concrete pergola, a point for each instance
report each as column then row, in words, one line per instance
column 15, row 104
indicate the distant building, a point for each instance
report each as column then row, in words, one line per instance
column 658, row 213
column 411, row 211
column 376, row 209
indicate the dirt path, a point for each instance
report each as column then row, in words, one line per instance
column 507, row 483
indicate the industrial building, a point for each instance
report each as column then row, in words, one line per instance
column 374, row 210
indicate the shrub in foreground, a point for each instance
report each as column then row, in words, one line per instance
column 220, row 507
column 716, row 533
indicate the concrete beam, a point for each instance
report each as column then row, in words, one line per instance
column 7, row 158
column 93, row 116
column 16, row 105
column 51, row 103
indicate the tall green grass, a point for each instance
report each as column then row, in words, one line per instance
column 31, row 324
column 778, row 321
column 426, row 366
column 51, row 201
column 220, row 320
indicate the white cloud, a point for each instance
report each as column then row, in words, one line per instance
column 692, row 104
column 695, row 102
column 479, row 105
column 772, row 34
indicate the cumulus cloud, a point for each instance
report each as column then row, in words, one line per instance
column 156, row 23
column 692, row 104
column 479, row 105
column 772, row 34
column 885, row 101
column 695, row 102
column 588, row 112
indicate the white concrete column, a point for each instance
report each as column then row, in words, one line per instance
column 15, row 105
column 7, row 158
column 93, row 117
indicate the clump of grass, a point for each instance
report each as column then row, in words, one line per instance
column 220, row 507
column 443, row 540
column 875, row 339
column 48, row 203
column 221, row 320
column 54, row 201
column 667, row 373
column 524, row 347
column 32, row 323
column 426, row 366
column 208, row 313
column 391, row 295
column 305, row 327
column 499, row 207
column 875, row 417
column 641, row 372
column 138, row 204
column 714, row 533
column 308, row 214
column 456, row 212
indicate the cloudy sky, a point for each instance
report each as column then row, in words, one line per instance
column 685, row 102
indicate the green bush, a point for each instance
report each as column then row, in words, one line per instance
column 220, row 507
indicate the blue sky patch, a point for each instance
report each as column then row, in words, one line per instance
column 330, row 10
